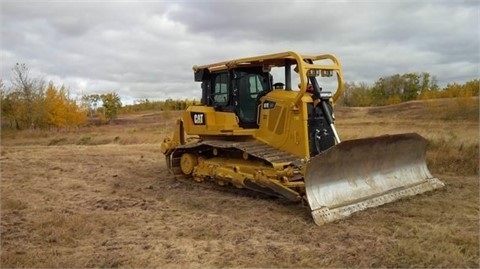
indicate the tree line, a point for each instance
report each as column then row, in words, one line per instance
column 401, row 88
column 166, row 105
column 108, row 111
column 30, row 103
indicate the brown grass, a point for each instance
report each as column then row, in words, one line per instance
column 109, row 202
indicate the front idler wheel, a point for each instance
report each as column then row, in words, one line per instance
column 188, row 162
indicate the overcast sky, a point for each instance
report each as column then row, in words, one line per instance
column 146, row 49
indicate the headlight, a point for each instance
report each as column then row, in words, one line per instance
column 313, row 73
column 325, row 95
column 327, row 73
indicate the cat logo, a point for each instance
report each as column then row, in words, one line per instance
column 198, row 118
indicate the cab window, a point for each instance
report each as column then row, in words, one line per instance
column 220, row 89
column 256, row 85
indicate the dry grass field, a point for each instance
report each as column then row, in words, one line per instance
column 100, row 196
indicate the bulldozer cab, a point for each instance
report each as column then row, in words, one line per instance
column 237, row 90
column 239, row 98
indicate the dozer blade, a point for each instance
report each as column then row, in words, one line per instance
column 362, row 173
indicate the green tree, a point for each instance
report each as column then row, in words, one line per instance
column 412, row 86
column 90, row 103
column 111, row 104
column 357, row 95
column 429, row 87
column 379, row 93
column 473, row 87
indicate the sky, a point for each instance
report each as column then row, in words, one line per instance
column 146, row 49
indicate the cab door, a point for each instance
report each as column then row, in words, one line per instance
column 247, row 87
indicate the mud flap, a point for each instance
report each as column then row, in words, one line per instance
column 362, row 173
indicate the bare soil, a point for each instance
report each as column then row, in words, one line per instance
column 108, row 201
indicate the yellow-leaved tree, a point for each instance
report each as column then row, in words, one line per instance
column 61, row 111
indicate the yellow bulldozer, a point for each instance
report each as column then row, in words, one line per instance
column 281, row 140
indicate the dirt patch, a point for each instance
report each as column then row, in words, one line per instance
column 114, row 205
